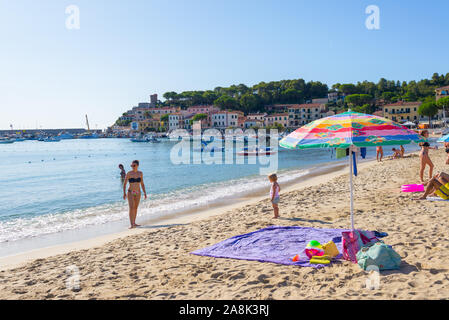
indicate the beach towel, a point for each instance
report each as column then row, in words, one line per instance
column 435, row 199
column 274, row 244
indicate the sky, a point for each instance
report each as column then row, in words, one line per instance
column 123, row 51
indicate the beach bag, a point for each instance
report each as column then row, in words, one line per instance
column 353, row 241
column 380, row 255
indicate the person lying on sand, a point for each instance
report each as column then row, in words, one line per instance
column 439, row 185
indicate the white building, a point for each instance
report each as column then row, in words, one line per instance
column 175, row 121
column 225, row 119
column 301, row 114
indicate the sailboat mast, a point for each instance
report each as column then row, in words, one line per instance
column 87, row 122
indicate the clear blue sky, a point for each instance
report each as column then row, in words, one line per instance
column 126, row 50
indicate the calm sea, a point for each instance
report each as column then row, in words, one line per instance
column 54, row 187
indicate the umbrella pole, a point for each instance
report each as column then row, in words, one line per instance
column 351, row 187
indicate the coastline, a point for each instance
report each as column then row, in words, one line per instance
column 185, row 217
column 157, row 264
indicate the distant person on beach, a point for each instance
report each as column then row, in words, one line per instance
column 425, row 160
column 425, row 134
column 439, row 185
column 274, row 194
column 135, row 179
column 402, row 151
column 447, row 159
column 122, row 172
column 380, row 153
column 396, row 154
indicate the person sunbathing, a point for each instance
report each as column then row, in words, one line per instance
column 439, row 185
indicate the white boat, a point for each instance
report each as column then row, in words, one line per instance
column 153, row 139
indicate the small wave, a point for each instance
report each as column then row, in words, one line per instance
column 159, row 206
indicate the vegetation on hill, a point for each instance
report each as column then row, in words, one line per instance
column 363, row 96
column 256, row 98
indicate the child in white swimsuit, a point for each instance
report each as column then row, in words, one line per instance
column 274, row 194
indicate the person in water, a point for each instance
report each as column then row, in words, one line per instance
column 439, row 185
column 122, row 172
column 380, row 153
column 425, row 160
column 135, row 179
column 274, row 194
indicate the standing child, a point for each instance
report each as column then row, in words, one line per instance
column 274, row 193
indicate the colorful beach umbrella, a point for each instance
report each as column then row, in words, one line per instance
column 349, row 130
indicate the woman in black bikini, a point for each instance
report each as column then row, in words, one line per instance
column 135, row 179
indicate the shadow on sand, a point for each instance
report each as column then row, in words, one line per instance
column 304, row 220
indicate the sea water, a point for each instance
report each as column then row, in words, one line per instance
column 51, row 188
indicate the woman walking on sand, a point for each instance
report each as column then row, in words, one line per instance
column 425, row 160
column 135, row 179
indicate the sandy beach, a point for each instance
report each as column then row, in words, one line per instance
column 154, row 263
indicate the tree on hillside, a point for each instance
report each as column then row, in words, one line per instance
column 347, row 88
column 428, row 109
column 358, row 99
column 226, row 102
column 388, row 96
column 199, row 117
column 250, row 103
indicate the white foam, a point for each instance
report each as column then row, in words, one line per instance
column 158, row 206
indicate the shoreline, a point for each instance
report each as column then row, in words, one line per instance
column 156, row 263
column 192, row 215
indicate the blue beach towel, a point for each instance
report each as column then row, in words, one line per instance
column 273, row 244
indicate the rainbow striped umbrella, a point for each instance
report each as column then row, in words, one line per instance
column 350, row 130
